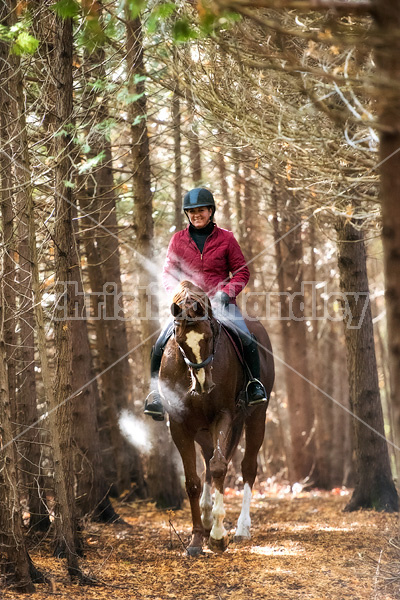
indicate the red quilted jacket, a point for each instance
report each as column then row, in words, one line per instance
column 221, row 266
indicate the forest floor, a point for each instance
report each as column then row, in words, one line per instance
column 303, row 547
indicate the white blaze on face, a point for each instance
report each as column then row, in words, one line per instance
column 193, row 339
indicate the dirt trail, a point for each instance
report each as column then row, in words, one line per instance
column 303, row 547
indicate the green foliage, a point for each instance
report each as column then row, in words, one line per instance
column 138, row 119
column 138, row 78
column 100, row 85
column 22, row 41
column 92, row 35
column 183, row 30
column 112, row 27
column 135, row 7
column 4, row 33
column 69, row 184
column 66, row 8
column 85, row 147
column 211, row 22
column 160, row 12
column 105, row 127
column 128, row 98
column 90, row 163
column 69, row 129
column 24, row 44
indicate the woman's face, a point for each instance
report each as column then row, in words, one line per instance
column 199, row 217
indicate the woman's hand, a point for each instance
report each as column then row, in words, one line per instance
column 222, row 297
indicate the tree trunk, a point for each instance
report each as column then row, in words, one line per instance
column 11, row 536
column 247, row 217
column 108, row 244
column 7, row 213
column 39, row 518
column 177, row 126
column 289, row 260
column 142, row 194
column 322, row 377
column 16, row 195
column 160, row 462
column 226, row 213
column 343, row 454
column 374, row 485
column 91, row 486
column 194, row 151
column 61, row 407
column 26, row 409
column 113, row 447
column 387, row 15
column 386, row 402
column 102, row 206
column 122, row 464
column 238, row 197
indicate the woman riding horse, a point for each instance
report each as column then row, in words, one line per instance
column 211, row 258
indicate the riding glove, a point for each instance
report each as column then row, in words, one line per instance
column 222, row 297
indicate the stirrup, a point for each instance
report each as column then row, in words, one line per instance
column 153, row 406
column 261, row 399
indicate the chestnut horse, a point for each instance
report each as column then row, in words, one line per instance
column 201, row 378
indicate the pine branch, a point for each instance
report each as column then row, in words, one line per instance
column 339, row 6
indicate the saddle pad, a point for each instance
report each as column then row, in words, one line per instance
column 236, row 343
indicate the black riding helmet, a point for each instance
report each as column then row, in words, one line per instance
column 199, row 197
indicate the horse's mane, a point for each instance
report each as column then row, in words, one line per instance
column 189, row 292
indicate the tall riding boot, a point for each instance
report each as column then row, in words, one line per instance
column 153, row 403
column 256, row 393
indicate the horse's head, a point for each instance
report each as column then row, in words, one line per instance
column 195, row 333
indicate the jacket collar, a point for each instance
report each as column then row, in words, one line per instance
column 214, row 230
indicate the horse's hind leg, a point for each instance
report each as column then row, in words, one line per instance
column 186, row 448
column 254, row 436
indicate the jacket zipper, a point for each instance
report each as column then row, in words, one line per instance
column 201, row 253
column 193, row 242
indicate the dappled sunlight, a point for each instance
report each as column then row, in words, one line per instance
column 290, row 550
column 315, row 528
column 145, row 556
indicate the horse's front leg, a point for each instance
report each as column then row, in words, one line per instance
column 185, row 444
column 218, row 540
column 206, row 503
column 254, row 436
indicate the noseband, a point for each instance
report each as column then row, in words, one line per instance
column 197, row 366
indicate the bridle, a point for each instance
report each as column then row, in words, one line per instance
column 215, row 328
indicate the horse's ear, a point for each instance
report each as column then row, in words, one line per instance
column 175, row 309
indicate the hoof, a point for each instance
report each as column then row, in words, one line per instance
column 194, row 550
column 218, row 545
column 241, row 538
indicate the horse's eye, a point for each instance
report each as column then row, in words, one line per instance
column 176, row 310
